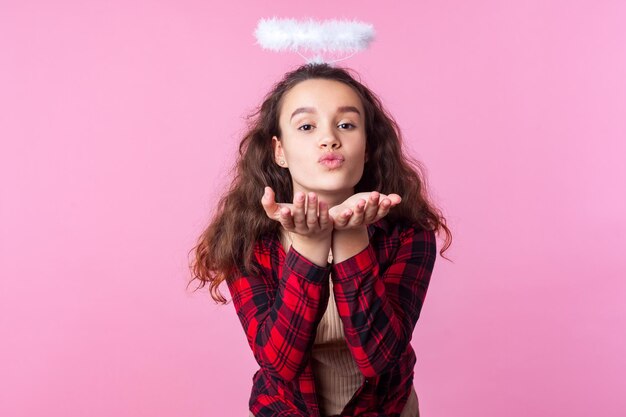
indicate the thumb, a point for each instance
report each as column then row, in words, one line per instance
column 269, row 203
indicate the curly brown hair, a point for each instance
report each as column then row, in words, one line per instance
column 221, row 253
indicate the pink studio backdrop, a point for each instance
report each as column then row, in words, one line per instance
column 119, row 121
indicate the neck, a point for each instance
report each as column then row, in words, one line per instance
column 333, row 199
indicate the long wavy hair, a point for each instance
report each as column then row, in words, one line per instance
column 226, row 247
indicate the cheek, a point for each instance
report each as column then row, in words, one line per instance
column 299, row 154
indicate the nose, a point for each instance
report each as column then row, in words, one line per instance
column 329, row 140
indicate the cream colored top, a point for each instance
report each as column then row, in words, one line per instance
column 337, row 376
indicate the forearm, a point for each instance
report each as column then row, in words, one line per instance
column 379, row 309
column 374, row 330
column 285, row 338
column 280, row 318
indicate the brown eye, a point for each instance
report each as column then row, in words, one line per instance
column 306, row 126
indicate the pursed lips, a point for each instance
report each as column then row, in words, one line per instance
column 331, row 161
column 331, row 157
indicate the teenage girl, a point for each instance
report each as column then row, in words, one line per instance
column 326, row 240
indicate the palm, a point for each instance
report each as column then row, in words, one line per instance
column 301, row 216
column 274, row 213
column 348, row 203
column 362, row 209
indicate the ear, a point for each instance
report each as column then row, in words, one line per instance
column 279, row 155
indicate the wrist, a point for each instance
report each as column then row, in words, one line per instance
column 315, row 249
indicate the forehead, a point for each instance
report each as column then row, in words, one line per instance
column 325, row 95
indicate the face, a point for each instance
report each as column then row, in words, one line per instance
column 322, row 119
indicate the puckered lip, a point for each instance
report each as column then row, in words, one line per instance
column 331, row 157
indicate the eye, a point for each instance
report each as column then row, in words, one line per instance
column 347, row 124
column 306, row 127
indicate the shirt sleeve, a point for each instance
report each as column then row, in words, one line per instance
column 380, row 311
column 280, row 317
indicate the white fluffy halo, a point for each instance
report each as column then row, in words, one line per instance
column 335, row 36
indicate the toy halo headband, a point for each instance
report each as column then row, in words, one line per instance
column 337, row 37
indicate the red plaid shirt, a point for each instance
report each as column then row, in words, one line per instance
column 379, row 294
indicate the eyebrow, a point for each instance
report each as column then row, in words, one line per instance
column 342, row 109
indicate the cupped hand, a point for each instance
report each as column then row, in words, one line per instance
column 362, row 209
column 301, row 216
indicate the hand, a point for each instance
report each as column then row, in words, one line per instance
column 301, row 217
column 362, row 209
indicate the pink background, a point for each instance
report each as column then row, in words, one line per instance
column 119, row 121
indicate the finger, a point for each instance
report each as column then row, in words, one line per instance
column 311, row 211
column 395, row 199
column 324, row 216
column 343, row 218
column 286, row 219
column 371, row 208
column 271, row 207
column 383, row 209
column 334, row 211
column 359, row 210
column 268, row 203
column 298, row 212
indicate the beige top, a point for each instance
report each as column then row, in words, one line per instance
column 337, row 376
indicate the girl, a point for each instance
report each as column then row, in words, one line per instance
column 326, row 240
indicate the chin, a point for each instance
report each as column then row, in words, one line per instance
column 333, row 187
column 328, row 183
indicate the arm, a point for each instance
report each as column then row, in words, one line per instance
column 379, row 311
column 280, row 318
